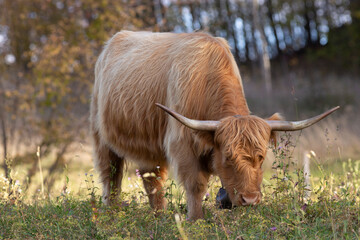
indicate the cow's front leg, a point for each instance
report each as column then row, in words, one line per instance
column 190, row 171
column 195, row 187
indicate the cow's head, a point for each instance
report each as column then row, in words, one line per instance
column 240, row 145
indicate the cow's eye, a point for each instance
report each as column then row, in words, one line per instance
column 249, row 159
column 261, row 159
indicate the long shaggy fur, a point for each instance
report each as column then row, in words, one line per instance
column 195, row 75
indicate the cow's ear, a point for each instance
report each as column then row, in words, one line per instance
column 273, row 135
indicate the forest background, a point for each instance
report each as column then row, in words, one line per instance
column 296, row 57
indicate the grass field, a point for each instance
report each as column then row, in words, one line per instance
column 73, row 209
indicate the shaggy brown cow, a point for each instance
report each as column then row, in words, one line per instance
column 195, row 75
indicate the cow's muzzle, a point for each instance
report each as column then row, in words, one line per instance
column 250, row 198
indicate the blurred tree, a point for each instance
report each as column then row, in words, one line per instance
column 282, row 27
column 343, row 48
column 48, row 49
column 264, row 59
column 47, row 71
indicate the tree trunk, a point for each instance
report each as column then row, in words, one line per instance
column 231, row 29
column 4, row 137
column 310, row 15
column 272, row 23
column 264, row 58
column 4, row 143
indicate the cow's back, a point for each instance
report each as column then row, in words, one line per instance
column 136, row 70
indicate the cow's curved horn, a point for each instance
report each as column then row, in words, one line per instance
column 298, row 125
column 191, row 123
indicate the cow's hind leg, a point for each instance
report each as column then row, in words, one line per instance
column 154, row 186
column 110, row 167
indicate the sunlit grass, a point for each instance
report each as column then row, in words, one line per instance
column 74, row 210
column 328, row 215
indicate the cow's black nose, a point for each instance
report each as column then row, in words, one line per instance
column 222, row 199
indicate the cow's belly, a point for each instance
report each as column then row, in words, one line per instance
column 139, row 145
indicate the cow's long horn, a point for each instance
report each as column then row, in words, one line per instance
column 298, row 125
column 191, row 123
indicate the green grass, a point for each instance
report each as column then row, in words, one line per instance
column 74, row 209
column 73, row 218
column 332, row 213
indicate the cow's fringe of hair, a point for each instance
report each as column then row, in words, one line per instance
column 243, row 135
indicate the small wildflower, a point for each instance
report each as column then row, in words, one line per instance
column 273, row 228
column 145, row 175
column 158, row 167
column 129, row 178
column 207, row 196
column 313, row 153
column 86, row 174
column 125, row 203
column 304, row 207
column 177, row 218
column 138, row 173
column 38, row 152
